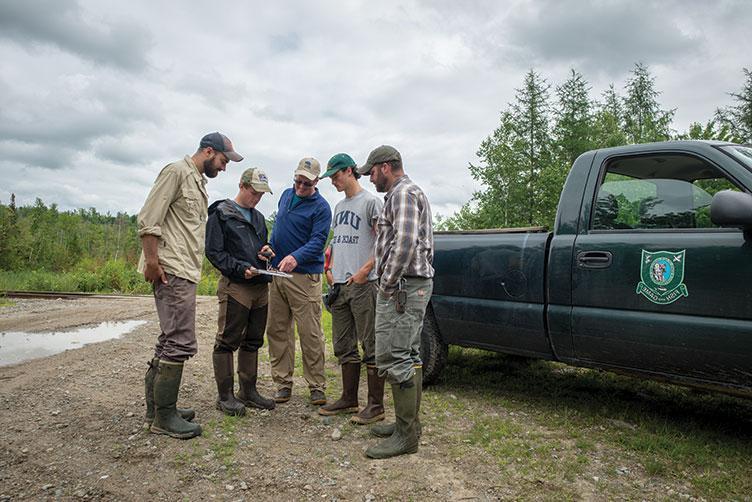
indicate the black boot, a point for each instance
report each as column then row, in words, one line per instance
column 386, row 430
column 348, row 403
column 405, row 437
column 166, row 419
column 248, row 375
column 374, row 410
column 186, row 413
column 223, row 374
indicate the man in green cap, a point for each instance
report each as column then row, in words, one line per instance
column 353, row 277
column 404, row 253
column 235, row 233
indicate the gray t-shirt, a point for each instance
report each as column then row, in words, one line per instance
column 354, row 234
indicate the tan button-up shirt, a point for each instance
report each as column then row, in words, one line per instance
column 176, row 211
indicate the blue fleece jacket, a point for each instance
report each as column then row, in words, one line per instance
column 302, row 231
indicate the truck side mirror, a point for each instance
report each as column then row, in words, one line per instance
column 732, row 209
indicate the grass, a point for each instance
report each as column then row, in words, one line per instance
column 553, row 423
column 4, row 302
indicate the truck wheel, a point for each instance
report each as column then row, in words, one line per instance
column 433, row 350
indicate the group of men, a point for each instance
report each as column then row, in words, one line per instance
column 378, row 267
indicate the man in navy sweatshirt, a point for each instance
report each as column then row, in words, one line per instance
column 300, row 232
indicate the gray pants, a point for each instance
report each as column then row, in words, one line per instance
column 353, row 315
column 398, row 335
column 176, row 308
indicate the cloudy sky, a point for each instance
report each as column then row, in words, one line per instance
column 96, row 96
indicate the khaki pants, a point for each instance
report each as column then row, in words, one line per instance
column 297, row 300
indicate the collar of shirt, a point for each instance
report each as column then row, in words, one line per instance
column 394, row 185
column 197, row 175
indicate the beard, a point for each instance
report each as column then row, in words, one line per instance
column 380, row 183
column 210, row 171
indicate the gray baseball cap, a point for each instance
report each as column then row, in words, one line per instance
column 379, row 155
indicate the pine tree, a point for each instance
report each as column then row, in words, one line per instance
column 644, row 120
column 738, row 117
column 609, row 121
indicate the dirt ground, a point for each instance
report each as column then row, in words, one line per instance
column 72, row 428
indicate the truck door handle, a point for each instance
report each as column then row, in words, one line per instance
column 594, row 259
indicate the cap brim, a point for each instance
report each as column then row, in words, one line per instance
column 262, row 188
column 308, row 175
column 365, row 169
column 333, row 170
column 233, row 156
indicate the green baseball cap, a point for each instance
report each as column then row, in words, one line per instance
column 339, row 162
column 379, row 155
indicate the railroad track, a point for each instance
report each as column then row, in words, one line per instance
column 53, row 295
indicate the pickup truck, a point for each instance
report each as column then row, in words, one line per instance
column 648, row 272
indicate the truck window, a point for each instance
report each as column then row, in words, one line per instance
column 659, row 191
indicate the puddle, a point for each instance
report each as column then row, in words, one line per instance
column 17, row 346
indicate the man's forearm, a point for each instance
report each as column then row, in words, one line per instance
column 150, row 244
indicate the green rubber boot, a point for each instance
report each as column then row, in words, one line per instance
column 166, row 419
column 386, row 430
column 405, row 437
column 186, row 413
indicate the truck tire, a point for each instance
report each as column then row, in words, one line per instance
column 433, row 350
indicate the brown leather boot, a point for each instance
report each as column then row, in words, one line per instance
column 374, row 410
column 248, row 375
column 348, row 403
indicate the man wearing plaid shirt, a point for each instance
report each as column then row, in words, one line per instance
column 404, row 253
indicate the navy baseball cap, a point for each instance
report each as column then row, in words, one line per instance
column 220, row 143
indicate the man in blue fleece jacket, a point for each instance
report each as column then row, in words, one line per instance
column 300, row 232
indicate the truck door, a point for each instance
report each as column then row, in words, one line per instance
column 656, row 286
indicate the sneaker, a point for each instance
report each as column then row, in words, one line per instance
column 282, row 395
column 318, row 397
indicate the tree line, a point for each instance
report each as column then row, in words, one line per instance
column 522, row 167
column 524, row 162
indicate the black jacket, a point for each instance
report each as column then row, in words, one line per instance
column 232, row 243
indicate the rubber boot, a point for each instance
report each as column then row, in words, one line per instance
column 405, row 437
column 186, row 413
column 248, row 375
column 223, row 374
column 348, row 403
column 386, row 430
column 166, row 419
column 374, row 410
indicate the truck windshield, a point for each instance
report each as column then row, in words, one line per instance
column 741, row 153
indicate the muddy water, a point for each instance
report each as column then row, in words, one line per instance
column 18, row 346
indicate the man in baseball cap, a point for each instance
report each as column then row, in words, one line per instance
column 380, row 155
column 172, row 229
column 300, row 232
column 235, row 234
column 354, row 278
column 220, row 143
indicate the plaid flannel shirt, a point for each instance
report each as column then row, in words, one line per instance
column 404, row 243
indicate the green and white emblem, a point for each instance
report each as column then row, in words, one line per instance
column 662, row 274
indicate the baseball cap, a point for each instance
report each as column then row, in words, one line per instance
column 378, row 155
column 256, row 178
column 338, row 162
column 308, row 167
column 220, row 143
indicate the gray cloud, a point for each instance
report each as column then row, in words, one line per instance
column 599, row 36
column 61, row 23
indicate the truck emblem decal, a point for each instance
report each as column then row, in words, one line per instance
column 662, row 274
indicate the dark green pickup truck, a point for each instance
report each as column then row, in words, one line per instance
column 648, row 271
